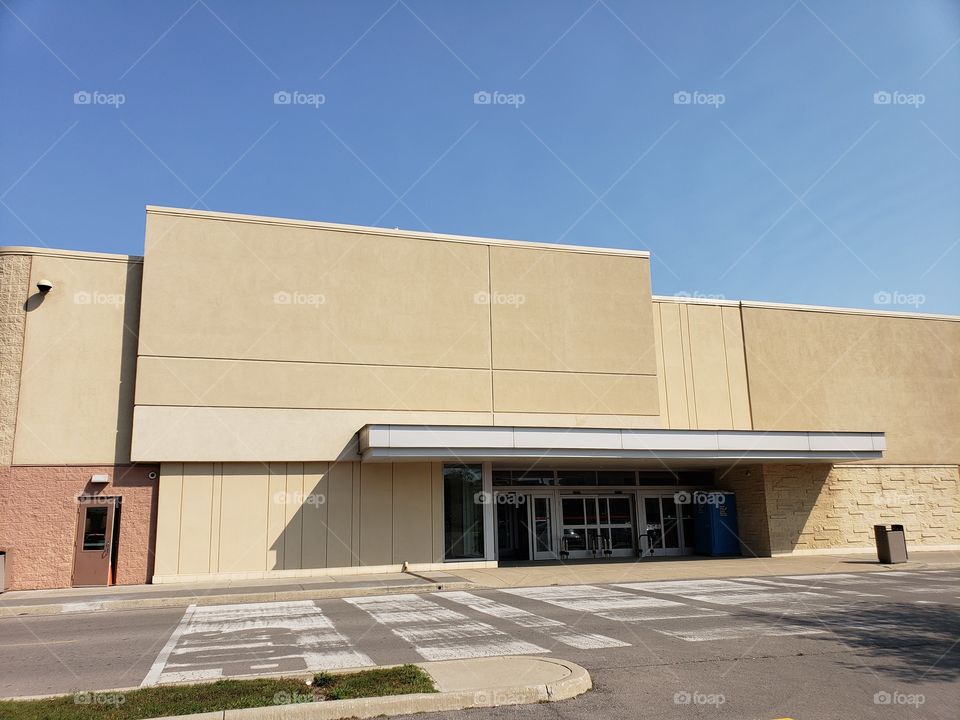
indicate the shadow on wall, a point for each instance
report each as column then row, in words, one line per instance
column 34, row 301
column 912, row 644
column 310, row 538
column 128, row 361
column 791, row 496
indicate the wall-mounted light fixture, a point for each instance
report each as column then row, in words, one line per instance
column 44, row 286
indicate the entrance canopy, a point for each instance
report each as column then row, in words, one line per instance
column 399, row 443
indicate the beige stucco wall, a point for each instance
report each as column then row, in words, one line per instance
column 249, row 519
column 75, row 399
column 822, row 370
column 326, row 328
column 701, row 366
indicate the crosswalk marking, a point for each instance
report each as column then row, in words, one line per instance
column 556, row 629
column 612, row 604
column 219, row 640
column 737, row 632
column 681, row 587
column 837, row 578
column 438, row 633
column 728, row 592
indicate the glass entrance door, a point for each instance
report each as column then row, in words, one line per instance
column 596, row 526
column 662, row 531
column 541, row 526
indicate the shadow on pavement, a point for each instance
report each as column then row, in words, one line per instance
column 912, row 642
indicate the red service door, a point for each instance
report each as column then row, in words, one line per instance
column 94, row 544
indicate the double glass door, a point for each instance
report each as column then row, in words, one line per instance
column 596, row 526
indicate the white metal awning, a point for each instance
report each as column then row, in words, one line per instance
column 399, row 443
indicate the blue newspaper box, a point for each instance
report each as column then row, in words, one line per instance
column 715, row 523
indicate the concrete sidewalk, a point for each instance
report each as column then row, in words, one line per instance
column 139, row 597
column 131, row 597
column 693, row 568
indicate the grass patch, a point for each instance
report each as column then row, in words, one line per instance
column 221, row 695
column 400, row 680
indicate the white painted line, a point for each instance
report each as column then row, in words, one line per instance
column 612, row 604
column 76, row 607
column 153, row 676
column 684, row 587
column 265, row 666
column 438, row 633
column 557, row 630
column 722, row 592
column 838, row 578
column 738, row 632
column 192, row 675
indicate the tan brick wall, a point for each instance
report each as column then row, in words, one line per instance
column 815, row 507
column 747, row 482
column 14, row 283
column 38, row 521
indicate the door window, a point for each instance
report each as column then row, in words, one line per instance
column 95, row 528
column 542, row 523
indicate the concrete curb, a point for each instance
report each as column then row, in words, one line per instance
column 8, row 611
column 575, row 681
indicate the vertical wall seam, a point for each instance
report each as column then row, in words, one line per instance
column 180, row 516
column 726, row 369
column 663, row 363
column 493, row 399
column 694, row 420
column 746, row 365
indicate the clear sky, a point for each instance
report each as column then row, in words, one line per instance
column 803, row 151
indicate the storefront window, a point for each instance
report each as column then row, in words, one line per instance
column 463, row 504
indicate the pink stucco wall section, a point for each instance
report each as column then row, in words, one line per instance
column 38, row 521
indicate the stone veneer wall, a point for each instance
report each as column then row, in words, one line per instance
column 815, row 507
column 14, row 284
column 38, row 521
column 747, row 481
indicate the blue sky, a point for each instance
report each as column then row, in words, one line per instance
column 784, row 178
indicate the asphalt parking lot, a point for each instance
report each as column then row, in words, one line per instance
column 853, row 645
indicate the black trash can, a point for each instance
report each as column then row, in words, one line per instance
column 891, row 544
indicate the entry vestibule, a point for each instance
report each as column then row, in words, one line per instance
column 634, row 514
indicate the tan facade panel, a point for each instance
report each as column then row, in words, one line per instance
column 252, row 519
column 416, row 510
column 224, row 289
column 169, row 502
column 314, row 517
column 737, row 384
column 342, row 550
column 581, row 393
column 843, row 371
column 244, row 504
column 571, row 312
column 196, row 518
column 258, row 384
column 703, row 377
column 673, row 380
column 79, row 362
column 200, row 434
column 376, row 514
column 564, row 420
